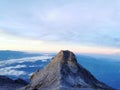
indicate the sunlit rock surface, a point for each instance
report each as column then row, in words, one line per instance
column 64, row 73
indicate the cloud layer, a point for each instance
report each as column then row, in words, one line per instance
column 86, row 22
column 23, row 66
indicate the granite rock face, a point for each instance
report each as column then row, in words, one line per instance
column 9, row 84
column 64, row 73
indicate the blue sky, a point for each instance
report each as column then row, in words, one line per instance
column 51, row 25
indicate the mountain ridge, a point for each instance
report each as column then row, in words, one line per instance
column 63, row 72
column 9, row 84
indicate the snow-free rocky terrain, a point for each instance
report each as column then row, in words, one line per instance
column 9, row 84
column 64, row 73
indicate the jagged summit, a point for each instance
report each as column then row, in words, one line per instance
column 64, row 73
column 65, row 56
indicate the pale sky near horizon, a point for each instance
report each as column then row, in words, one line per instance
column 87, row 26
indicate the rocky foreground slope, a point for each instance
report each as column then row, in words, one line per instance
column 9, row 84
column 64, row 73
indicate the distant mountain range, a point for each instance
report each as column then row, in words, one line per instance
column 7, row 54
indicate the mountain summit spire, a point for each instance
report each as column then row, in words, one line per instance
column 64, row 56
column 64, row 73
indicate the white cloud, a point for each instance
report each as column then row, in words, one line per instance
column 11, row 71
column 80, row 22
column 81, row 13
column 14, row 67
column 36, row 65
column 22, row 60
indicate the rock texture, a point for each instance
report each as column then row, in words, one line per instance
column 64, row 73
column 9, row 84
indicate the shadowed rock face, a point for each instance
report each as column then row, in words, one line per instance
column 9, row 84
column 64, row 73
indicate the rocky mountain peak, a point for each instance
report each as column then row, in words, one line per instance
column 64, row 56
column 64, row 73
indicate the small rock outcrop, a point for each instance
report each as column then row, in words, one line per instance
column 64, row 73
column 9, row 84
column 20, row 81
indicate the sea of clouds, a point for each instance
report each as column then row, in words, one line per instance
column 21, row 67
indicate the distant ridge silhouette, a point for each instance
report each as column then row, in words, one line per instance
column 9, row 84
